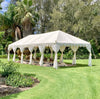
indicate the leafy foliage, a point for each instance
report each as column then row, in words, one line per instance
column 13, row 77
column 6, row 19
column 18, row 80
column 79, row 18
column 0, row 3
column 4, row 42
column 8, row 68
column 25, row 15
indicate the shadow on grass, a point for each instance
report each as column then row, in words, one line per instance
column 74, row 66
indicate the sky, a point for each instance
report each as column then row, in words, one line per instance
column 4, row 5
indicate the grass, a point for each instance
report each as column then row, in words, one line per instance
column 78, row 82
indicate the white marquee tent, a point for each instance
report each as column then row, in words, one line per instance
column 56, row 40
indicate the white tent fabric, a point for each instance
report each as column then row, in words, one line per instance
column 89, row 49
column 41, row 48
column 56, row 48
column 74, row 48
column 22, row 49
column 51, row 56
column 54, row 40
column 35, row 53
column 62, row 48
column 31, row 49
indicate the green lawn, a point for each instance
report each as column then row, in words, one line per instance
column 78, row 82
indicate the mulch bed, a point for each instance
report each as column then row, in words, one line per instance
column 7, row 90
column 46, row 64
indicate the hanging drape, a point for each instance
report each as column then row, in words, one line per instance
column 21, row 49
column 14, row 50
column 51, row 56
column 74, row 48
column 35, row 53
column 31, row 50
column 90, row 55
column 62, row 48
column 41, row 48
column 55, row 49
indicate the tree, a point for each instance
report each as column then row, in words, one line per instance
column 26, row 16
column 78, row 17
column 14, row 1
column 44, row 8
column 0, row 4
column 7, row 22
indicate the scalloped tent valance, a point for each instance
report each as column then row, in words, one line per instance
column 56, row 40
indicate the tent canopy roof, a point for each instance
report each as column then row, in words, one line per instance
column 55, row 37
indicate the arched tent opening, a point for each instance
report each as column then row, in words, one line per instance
column 26, row 54
column 18, row 53
column 46, row 55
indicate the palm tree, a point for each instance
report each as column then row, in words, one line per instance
column 6, row 20
column 26, row 16
column 0, row 4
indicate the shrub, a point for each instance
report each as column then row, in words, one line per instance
column 8, row 68
column 29, row 75
column 18, row 80
column 3, row 56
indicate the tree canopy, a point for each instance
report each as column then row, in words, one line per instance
column 80, row 18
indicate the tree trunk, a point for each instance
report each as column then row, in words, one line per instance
column 27, row 28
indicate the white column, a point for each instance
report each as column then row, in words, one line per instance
column 22, row 49
column 62, row 48
column 90, row 55
column 74, row 48
column 51, row 56
column 41, row 48
column 56, row 49
column 30, row 49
